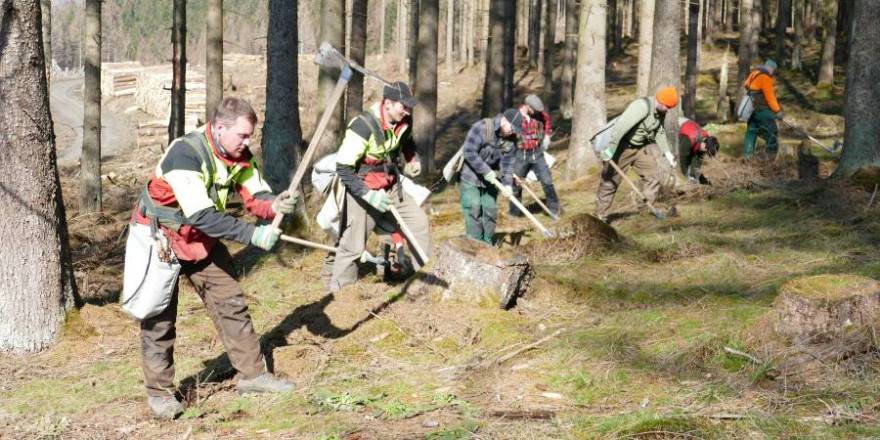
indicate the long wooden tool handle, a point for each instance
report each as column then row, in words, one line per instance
column 632, row 185
column 307, row 243
column 525, row 186
column 316, row 138
column 525, row 211
column 409, row 235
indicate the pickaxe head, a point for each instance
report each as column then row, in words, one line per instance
column 328, row 56
column 837, row 145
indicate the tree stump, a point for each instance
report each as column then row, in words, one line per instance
column 823, row 308
column 468, row 269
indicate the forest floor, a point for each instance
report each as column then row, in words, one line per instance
column 635, row 333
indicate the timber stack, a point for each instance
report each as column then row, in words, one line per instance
column 118, row 79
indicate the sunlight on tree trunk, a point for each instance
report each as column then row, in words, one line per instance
column 589, row 96
column 646, row 41
column 214, row 56
column 90, row 196
column 425, row 114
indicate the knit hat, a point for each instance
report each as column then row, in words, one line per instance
column 534, row 102
column 515, row 118
column 770, row 64
column 668, row 97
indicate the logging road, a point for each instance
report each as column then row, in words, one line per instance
column 66, row 104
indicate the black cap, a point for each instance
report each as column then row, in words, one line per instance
column 400, row 92
column 515, row 118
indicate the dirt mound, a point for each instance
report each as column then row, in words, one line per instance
column 576, row 237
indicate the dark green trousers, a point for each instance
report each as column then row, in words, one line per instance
column 480, row 211
column 762, row 123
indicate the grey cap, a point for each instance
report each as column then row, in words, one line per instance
column 399, row 91
column 534, row 102
column 515, row 118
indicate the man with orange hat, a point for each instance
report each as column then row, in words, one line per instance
column 636, row 129
column 762, row 122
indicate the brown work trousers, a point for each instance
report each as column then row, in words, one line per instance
column 358, row 220
column 215, row 282
column 644, row 164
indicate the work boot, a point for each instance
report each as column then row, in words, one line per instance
column 165, row 407
column 265, row 383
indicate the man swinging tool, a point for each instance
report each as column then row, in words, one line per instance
column 638, row 127
column 366, row 165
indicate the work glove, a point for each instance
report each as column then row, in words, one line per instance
column 265, row 237
column 507, row 191
column 377, row 199
column 490, row 177
column 606, row 154
column 413, row 168
column 285, row 203
column 669, row 157
column 546, row 142
column 779, row 115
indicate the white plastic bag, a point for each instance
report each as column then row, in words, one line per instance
column 453, row 167
column 147, row 283
column 745, row 108
column 531, row 177
column 328, row 216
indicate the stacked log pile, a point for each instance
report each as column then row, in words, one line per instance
column 118, row 79
column 154, row 94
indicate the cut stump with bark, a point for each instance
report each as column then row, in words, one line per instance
column 469, row 269
column 823, row 308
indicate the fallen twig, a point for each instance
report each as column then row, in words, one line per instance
column 509, row 356
column 742, row 354
column 524, row 414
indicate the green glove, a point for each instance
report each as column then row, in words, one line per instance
column 265, row 237
column 377, row 199
column 285, row 203
column 606, row 154
column 490, row 176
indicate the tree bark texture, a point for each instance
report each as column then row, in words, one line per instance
column 665, row 65
column 357, row 50
column 799, row 39
column 493, row 87
column 690, row 92
column 333, row 32
column 450, row 33
column 549, row 51
column 412, row 51
column 646, row 41
column 471, row 8
column 382, row 11
column 509, row 50
column 731, row 14
column 402, row 34
column 541, row 34
column 566, row 104
column 722, row 107
column 589, row 96
column 282, row 134
column 214, row 56
column 425, row 114
column 46, row 10
column 178, row 67
column 485, row 24
column 826, row 63
column 534, row 32
column 748, row 42
column 90, row 196
column 783, row 12
column 35, row 263
column 861, row 145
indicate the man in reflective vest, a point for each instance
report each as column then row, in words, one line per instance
column 694, row 143
column 367, row 166
column 186, row 198
column 762, row 122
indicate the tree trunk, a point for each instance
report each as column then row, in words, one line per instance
column 731, row 15
column 46, row 10
column 748, row 42
column 178, row 67
column 783, row 12
column 509, row 50
column 282, row 134
column 534, row 33
column 382, row 27
column 690, row 92
column 549, row 51
column 618, row 27
column 450, row 32
column 493, row 86
column 665, row 65
column 333, row 32
column 357, row 50
column 571, row 24
column 541, row 34
column 722, row 107
column 799, row 39
column 861, row 146
column 35, row 262
column 402, row 34
column 826, row 65
column 471, row 8
column 646, row 41
column 425, row 117
column 463, row 22
column 413, row 50
column 485, row 24
column 90, row 197
column 589, row 97
column 214, row 56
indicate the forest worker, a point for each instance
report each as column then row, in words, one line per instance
column 530, row 152
column 489, row 147
column 694, row 143
column 759, row 85
column 367, row 167
column 638, row 128
column 186, row 198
